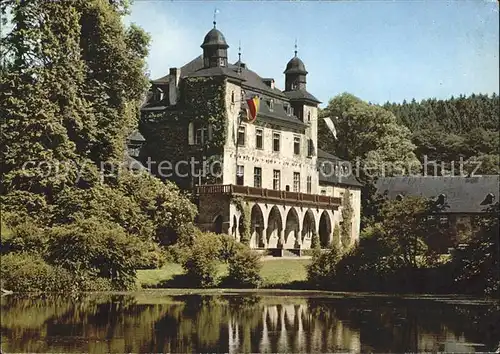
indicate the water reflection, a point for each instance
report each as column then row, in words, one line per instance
column 152, row 322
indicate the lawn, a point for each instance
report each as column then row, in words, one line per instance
column 275, row 272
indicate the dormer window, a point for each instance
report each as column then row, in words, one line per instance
column 271, row 105
column 490, row 198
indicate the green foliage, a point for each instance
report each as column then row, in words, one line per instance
column 335, row 236
column 244, row 269
column 201, row 262
column 322, row 268
column 457, row 115
column 369, row 133
column 23, row 272
column 229, row 247
column 393, row 254
column 203, row 104
column 23, row 236
column 104, row 249
column 407, row 231
column 347, row 214
column 245, row 212
column 448, row 130
column 315, row 241
column 476, row 267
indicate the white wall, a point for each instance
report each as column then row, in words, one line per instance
column 285, row 160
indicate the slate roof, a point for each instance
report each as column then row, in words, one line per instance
column 192, row 66
column 215, row 71
column 295, row 66
column 327, row 176
column 462, row 194
column 301, row 95
column 214, row 38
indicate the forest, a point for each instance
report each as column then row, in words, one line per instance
column 464, row 127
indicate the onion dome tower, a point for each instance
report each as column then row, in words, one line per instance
column 214, row 49
column 295, row 74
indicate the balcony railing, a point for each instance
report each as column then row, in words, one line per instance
column 230, row 189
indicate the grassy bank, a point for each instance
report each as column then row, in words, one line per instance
column 275, row 273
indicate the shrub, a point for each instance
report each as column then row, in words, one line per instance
column 244, row 269
column 22, row 272
column 229, row 247
column 321, row 270
column 24, row 237
column 201, row 261
column 103, row 249
column 315, row 243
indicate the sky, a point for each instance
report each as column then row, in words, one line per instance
column 377, row 50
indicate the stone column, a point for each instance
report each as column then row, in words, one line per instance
column 281, row 241
column 298, row 239
column 263, row 237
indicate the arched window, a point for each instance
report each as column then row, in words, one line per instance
column 191, row 133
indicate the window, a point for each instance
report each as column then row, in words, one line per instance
column 296, row 145
column 310, row 147
column 444, row 221
column 241, row 136
column 276, row 142
column 271, row 105
column 232, row 96
column 286, row 108
column 323, row 192
column 309, row 184
column 257, row 177
column 201, row 135
column 276, row 179
column 191, row 133
column 240, row 175
column 308, row 116
column 222, row 62
column 296, row 182
column 259, row 142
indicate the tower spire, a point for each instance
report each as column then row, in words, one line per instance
column 216, row 11
column 295, row 47
column 239, row 55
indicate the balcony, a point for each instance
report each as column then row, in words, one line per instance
column 269, row 194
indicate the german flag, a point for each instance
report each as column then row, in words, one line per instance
column 253, row 109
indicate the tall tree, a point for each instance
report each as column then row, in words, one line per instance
column 370, row 134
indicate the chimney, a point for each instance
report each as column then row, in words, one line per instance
column 173, row 85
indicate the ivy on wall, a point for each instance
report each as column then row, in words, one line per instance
column 315, row 242
column 245, row 212
column 336, row 237
column 202, row 102
column 347, row 214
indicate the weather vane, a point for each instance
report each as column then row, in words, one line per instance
column 216, row 11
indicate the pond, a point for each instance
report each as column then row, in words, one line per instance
column 235, row 322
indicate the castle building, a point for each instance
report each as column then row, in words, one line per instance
column 265, row 181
